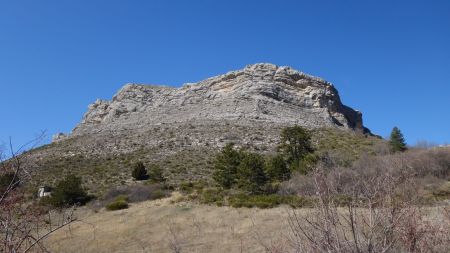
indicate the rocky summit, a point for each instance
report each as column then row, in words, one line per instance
column 258, row 94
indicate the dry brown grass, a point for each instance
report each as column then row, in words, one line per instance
column 167, row 225
column 164, row 226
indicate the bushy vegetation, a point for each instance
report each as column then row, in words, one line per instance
column 67, row 192
column 427, row 172
column 139, row 171
column 212, row 196
column 345, row 147
column 255, row 178
column 136, row 193
column 120, row 202
column 155, row 174
column 8, row 179
column 277, row 169
column 267, row 201
column 255, row 174
column 103, row 172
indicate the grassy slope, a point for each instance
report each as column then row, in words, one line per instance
column 192, row 163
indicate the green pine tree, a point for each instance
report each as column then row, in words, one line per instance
column 139, row 171
column 68, row 192
column 225, row 166
column 277, row 169
column 251, row 175
column 397, row 141
column 295, row 145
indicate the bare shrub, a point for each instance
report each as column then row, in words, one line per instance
column 367, row 210
column 298, row 184
column 24, row 224
column 429, row 169
column 174, row 239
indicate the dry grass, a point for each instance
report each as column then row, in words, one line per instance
column 163, row 226
column 166, row 225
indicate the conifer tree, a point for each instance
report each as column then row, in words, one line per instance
column 251, row 175
column 139, row 172
column 68, row 192
column 277, row 169
column 225, row 166
column 397, row 141
column 295, row 145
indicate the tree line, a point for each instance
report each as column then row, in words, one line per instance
column 258, row 174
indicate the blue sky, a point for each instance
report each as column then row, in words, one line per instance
column 389, row 59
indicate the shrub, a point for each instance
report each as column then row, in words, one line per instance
column 6, row 180
column 68, row 192
column 187, row 187
column 299, row 184
column 136, row 193
column 212, row 196
column 119, row 203
column 155, row 174
column 267, row 201
column 139, row 172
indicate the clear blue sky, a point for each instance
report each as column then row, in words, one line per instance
column 389, row 59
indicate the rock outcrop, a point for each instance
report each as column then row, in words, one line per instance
column 258, row 94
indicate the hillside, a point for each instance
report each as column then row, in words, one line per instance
column 180, row 129
column 209, row 196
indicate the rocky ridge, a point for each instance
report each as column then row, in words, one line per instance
column 258, row 94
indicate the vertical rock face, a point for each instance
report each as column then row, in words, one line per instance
column 257, row 94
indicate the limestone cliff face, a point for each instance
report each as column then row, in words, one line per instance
column 257, row 94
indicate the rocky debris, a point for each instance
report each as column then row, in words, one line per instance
column 259, row 94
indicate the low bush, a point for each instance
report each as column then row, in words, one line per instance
column 212, row 196
column 68, row 192
column 443, row 191
column 267, row 201
column 121, row 202
column 190, row 187
column 6, row 180
column 299, row 184
column 155, row 174
column 137, row 193
column 187, row 187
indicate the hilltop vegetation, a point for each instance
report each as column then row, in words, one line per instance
column 182, row 163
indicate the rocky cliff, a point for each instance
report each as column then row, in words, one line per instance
column 258, row 94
